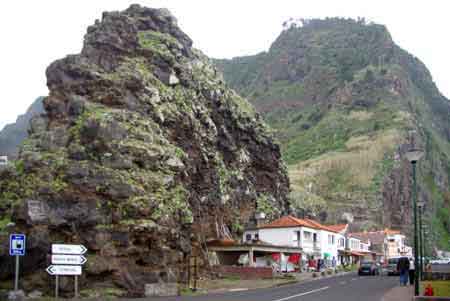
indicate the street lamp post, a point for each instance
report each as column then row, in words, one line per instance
column 420, row 204
column 413, row 156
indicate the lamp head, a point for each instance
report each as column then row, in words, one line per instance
column 413, row 155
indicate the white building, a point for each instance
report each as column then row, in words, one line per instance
column 3, row 160
column 386, row 243
column 396, row 244
column 316, row 240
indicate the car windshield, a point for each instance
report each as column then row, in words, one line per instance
column 393, row 261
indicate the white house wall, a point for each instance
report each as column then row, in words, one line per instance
column 279, row 236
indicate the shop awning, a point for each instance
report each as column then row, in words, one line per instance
column 353, row 253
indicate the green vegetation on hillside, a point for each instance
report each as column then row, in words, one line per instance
column 342, row 98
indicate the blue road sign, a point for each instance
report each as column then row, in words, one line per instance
column 17, row 244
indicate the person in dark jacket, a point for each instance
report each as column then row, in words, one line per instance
column 403, row 269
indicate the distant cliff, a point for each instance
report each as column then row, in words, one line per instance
column 12, row 135
column 343, row 99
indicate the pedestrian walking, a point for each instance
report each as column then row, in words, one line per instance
column 411, row 271
column 403, row 269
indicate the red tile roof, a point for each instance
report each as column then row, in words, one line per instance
column 360, row 236
column 391, row 232
column 338, row 228
column 375, row 237
column 290, row 221
column 221, row 242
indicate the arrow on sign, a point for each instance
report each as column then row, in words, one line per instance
column 68, row 259
column 68, row 249
column 64, row 270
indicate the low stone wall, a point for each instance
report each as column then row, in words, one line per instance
column 161, row 289
column 244, row 272
column 436, row 276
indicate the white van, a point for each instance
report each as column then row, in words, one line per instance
column 392, row 266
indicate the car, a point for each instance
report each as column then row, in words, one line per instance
column 392, row 266
column 440, row 261
column 368, row 268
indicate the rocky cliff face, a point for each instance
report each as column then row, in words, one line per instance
column 143, row 155
column 343, row 98
column 12, row 135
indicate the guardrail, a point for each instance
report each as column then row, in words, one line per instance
column 431, row 298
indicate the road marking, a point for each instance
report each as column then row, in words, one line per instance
column 303, row 294
column 238, row 289
column 354, row 279
column 343, row 282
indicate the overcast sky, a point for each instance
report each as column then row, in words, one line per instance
column 35, row 33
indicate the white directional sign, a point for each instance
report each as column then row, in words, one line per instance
column 68, row 249
column 68, row 259
column 74, row 270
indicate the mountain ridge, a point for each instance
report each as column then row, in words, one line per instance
column 13, row 134
column 343, row 99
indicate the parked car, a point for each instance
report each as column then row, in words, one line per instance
column 392, row 266
column 368, row 268
column 440, row 261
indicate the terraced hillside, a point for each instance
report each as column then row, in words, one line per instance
column 346, row 103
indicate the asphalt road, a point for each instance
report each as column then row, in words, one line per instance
column 340, row 288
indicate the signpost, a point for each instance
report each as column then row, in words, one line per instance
column 17, row 248
column 66, row 261
column 68, row 249
column 67, row 270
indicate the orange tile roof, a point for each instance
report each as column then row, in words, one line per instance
column 338, row 228
column 221, row 242
column 362, row 236
column 290, row 221
column 391, row 232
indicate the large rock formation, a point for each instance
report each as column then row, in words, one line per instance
column 343, row 98
column 143, row 155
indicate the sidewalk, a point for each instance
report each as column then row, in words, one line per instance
column 399, row 293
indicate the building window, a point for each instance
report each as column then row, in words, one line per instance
column 257, row 236
column 307, row 236
column 248, row 237
column 331, row 239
